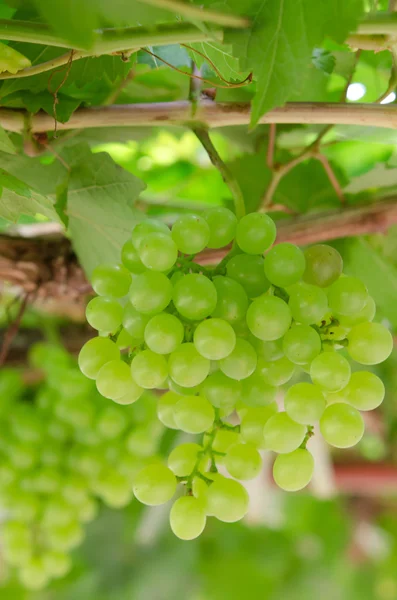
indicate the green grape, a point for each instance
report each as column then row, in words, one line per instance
column 133, row 394
column 301, row 344
column 17, row 547
column 187, row 518
column 194, row 414
column 284, row 264
column 333, row 397
column 347, row 296
column 74, row 489
column 227, row 500
column 224, row 439
column 308, row 303
column 248, row 271
column 243, row 461
column 149, row 369
column 104, row 314
column 293, row 471
column 232, row 300
column 256, row 392
column 214, row 339
column 190, row 233
column 221, row 391
column 142, row 441
column 111, row 280
column 194, row 296
column 87, row 510
column 365, row 390
column 22, row 456
column 125, row 340
column 115, row 489
column 268, row 351
column 330, row 371
column 187, row 367
column 277, row 372
column 33, row 575
column 324, row 265
column 282, row 434
column 184, row 458
column 200, row 491
column 150, row 293
column 158, row 251
column 26, row 425
column 241, row 362
column 304, row 403
column 154, row 485
column 370, row 343
column 130, row 259
column 183, row 391
column 134, row 322
column 255, row 233
column 268, row 318
column 165, row 409
column 222, row 224
column 47, row 480
column 253, row 421
column 144, row 228
column 64, row 537
column 114, row 379
column 111, row 422
column 366, row 314
column 341, row 425
column 56, row 564
column 95, row 353
column 164, row 333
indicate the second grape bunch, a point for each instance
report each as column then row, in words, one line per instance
column 220, row 342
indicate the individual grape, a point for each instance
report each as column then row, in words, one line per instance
column 248, row 271
column 370, row 343
column 187, row 518
column 284, row 264
column 241, row 362
column 87, row 510
column 114, row 379
column 227, row 500
column 282, row 434
column 221, row 390
column 243, row 461
column 222, row 224
column 324, row 265
column 146, row 227
column 190, row 233
column 111, row 280
column 365, row 390
column 150, row 293
column 134, row 322
column 214, row 339
column 104, row 314
column 149, row 369
column 256, row 392
column 366, row 314
column 301, row 344
column 293, row 471
column 111, row 422
column 187, row 367
column 142, row 441
column 95, row 353
column 333, row 397
column 224, row 439
column 194, row 414
column 26, row 424
column 347, row 296
column 158, row 251
column 304, row 403
column 47, row 480
column 232, row 300
column 22, row 455
column 268, row 318
column 154, row 485
column 268, row 351
column 341, row 425
column 56, row 564
column 194, row 296
column 64, row 537
column 33, row 575
column 255, row 233
column 183, row 459
column 74, row 489
column 183, row 391
column 133, row 394
column 308, row 303
column 277, row 372
column 130, row 258
column 114, row 489
column 164, row 333
column 330, row 371
column 165, row 409
column 253, row 421
column 125, row 340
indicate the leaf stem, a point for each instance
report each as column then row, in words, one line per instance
column 227, row 176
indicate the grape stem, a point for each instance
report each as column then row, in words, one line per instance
column 309, row 434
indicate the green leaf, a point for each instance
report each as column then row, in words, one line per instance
column 323, row 60
column 13, row 206
column 356, row 158
column 15, row 185
column 221, row 56
column 74, row 20
column 11, row 60
column 341, row 17
column 6, row 144
column 99, row 208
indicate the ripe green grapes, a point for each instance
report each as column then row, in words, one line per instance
column 251, row 354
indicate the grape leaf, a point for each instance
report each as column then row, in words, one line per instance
column 74, row 20
column 221, row 56
column 11, row 60
column 99, row 206
column 323, row 60
column 14, row 184
column 6, row 144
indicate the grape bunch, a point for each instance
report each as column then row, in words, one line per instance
column 63, row 449
column 221, row 342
